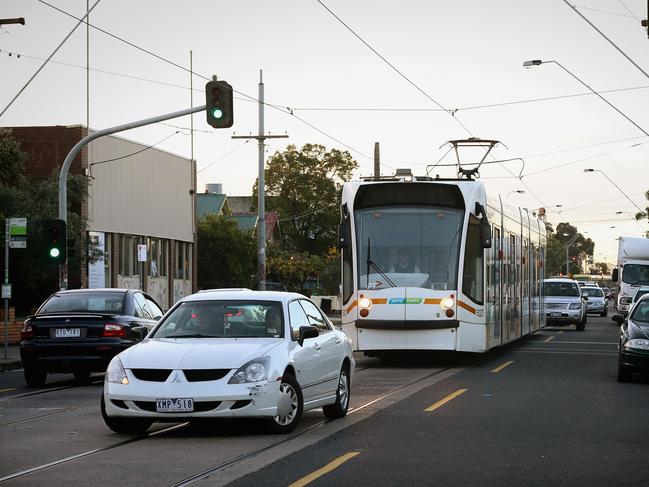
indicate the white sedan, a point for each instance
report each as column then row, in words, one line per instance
column 232, row 353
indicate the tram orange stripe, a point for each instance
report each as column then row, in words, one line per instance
column 352, row 306
column 466, row 306
column 379, row 301
column 432, row 301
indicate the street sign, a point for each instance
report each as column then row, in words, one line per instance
column 6, row 291
column 18, row 233
column 141, row 253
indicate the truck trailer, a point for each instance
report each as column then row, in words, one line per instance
column 632, row 271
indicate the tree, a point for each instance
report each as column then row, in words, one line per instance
column 305, row 188
column 642, row 215
column 293, row 268
column 227, row 256
column 556, row 250
column 600, row 268
column 32, row 274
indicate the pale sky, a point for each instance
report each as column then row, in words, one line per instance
column 461, row 53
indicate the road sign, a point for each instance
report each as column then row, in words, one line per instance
column 141, row 253
column 6, row 291
column 18, row 233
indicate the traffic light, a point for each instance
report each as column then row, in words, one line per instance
column 573, row 258
column 55, row 240
column 218, row 104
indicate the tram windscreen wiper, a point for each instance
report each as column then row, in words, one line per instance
column 372, row 264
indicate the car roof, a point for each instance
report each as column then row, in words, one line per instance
column 93, row 290
column 559, row 279
column 234, row 294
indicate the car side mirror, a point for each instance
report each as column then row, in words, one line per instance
column 343, row 231
column 485, row 233
column 619, row 319
column 307, row 332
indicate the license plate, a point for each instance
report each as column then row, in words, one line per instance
column 174, row 405
column 555, row 313
column 67, row 333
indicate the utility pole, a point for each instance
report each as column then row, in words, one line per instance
column 645, row 22
column 261, row 188
column 377, row 162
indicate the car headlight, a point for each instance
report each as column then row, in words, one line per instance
column 365, row 302
column 574, row 306
column 254, row 371
column 640, row 343
column 115, row 372
column 626, row 300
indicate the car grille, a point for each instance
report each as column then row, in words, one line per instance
column 151, row 375
column 199, row 407
column 240, row 404
column 557, row 305
column 199, row 375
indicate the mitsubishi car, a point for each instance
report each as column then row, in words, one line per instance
column 634, row 341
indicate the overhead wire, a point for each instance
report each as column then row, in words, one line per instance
column 136, row 152
column 222, row 157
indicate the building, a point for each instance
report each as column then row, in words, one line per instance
column 140, row 210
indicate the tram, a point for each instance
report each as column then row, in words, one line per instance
column 437, row 264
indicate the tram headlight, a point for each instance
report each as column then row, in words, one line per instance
column 447, row 303
column 365, row 303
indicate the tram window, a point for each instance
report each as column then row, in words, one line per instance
column 347, row 264
column 473, row 279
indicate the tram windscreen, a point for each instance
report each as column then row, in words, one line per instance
column 408, row 247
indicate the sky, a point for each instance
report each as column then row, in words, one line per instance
column 437, row 70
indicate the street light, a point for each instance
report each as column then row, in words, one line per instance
column 537, row 62
column 613, row 183
column 519, row 191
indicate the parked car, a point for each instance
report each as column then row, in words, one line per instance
column 597, row 302
column 634, row 340
column 80, row 331
column 204, row 361
column 564, row 303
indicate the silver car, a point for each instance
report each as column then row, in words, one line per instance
column 597, row 302
column 564, row 303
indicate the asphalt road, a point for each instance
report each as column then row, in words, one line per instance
column 545, row 410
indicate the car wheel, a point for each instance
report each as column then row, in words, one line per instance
column 127, row 426
column 604, row 313
column 581, row 326
column 339, row 408
column 34, row 375
column 289, row 406
column 81, row 375
column 623, row 373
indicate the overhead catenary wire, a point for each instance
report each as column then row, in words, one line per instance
column 222, row 157
column 136, row 152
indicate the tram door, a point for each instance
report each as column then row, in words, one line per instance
column 525, row 279
column 494, row 305
column 506, row 287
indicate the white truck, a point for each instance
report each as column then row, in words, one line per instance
column 632, row 271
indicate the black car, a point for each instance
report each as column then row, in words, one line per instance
column 80, row 331
column 634, row 341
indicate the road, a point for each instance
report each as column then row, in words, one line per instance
column 545, row 410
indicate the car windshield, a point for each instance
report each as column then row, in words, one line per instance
column 635, row 274
column 563, row 289
column 592, row 292
column 98, row 302
column 223, row 319
column 639, row 294
column 641, row 312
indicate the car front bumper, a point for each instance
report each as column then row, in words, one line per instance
column 212, row 399
column 563, row 316
column 599, row 308
column 636, row 359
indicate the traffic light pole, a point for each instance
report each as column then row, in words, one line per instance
column 65, row 169
column 261, row 189
column 6, row 300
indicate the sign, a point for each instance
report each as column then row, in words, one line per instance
column 18, row 233
column 141, row 253
column 6, row 291
column 96, row 270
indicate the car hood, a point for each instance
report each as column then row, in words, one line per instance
column 196, row 353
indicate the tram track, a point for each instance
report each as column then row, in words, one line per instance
column 223, row 465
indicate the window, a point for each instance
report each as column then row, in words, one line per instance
column 157, row 257
column 182, row 260
column 348, row 285
column 297, row 318
column 154, row 309
column 315, row 317
column 141, row 311
column 473, row 279
column 108, row 302
column 128, row 263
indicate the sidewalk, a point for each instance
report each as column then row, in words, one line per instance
column 13, row 357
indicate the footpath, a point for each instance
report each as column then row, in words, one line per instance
column 12, row 361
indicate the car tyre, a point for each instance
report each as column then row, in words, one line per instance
column 289, row 406
column 581, row 326
column 339, row 408
column 624, row 374
column 34, row 375
column 127, row 426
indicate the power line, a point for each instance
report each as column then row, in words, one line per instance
column 603, row 11
column 629, row 10
column 50, row 57
column 136, row 152
column 222, row 157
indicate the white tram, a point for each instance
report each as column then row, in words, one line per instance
column 437, row 264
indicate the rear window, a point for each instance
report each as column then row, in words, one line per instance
column 564, row 289
column 100, row 302
column 223, row 319
column 592, row 292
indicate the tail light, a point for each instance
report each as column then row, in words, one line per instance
column 26, row 332
column 114, row 330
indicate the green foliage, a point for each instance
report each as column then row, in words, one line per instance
column 31, row 272
column 556, row 252
column 227, row 256
column 292, row 268
column 600, row 268
column 304, row 188
column 644, row 215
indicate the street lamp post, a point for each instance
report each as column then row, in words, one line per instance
column 613, row 183
column 538, row 62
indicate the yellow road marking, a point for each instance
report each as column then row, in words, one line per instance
column 324, row 470
column 8, row 389
column 501, row 367
column 441, row 402
column 548, row 339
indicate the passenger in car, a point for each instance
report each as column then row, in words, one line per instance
column 273, row 322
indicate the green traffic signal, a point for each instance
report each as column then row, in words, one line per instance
column 54, row 253
column 218, row 104
column 55, row 240
column 217, row 113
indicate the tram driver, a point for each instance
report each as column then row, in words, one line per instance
column 404, row 264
